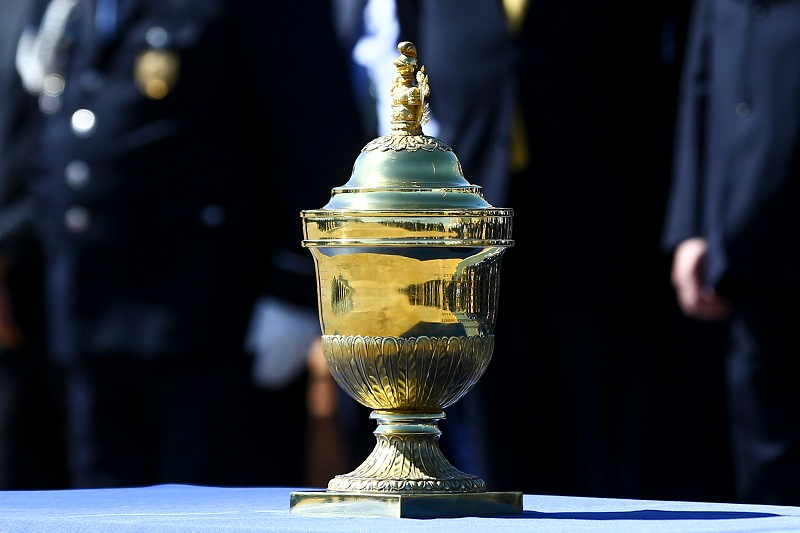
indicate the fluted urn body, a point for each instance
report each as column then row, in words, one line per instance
column 408, row 257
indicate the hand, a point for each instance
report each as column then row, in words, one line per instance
column 695, row 299
column 323, row 392
column 279, row 338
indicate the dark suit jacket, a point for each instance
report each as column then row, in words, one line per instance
column 18, row 244
column 15, row 209
column 578, row 347
column 190, row 197
column 737, row 166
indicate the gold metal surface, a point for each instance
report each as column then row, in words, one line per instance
column 407, row 255
column 333, row 503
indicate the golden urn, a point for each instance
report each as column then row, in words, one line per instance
column 407, row 256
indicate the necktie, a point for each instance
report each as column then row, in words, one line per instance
column 105, row 19
column 515, row 14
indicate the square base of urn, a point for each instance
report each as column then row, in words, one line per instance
column 400, row 505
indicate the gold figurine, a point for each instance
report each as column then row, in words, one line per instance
column 407, row 255
column 409, row 109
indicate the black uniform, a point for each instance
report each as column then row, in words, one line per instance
column 32, row 451
column 737, row 184
column 171, row 173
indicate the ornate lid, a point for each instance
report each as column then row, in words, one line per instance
column 407, row 174
column 407, row 169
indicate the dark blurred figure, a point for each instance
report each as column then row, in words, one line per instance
column 564, row 112
column 180, row 140
column 733, row 223
column 32, row 443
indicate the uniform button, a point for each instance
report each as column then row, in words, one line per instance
column 53, row 85
column 157, row 37
column 83, row 123
column 759, row 11
column 76, row 218
column 49, row 104
column 743, row 109
column 212, row 216
column 50, row 97
column 77, row 173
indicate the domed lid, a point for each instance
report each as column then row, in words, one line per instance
column 407, row 170
column 407, row 189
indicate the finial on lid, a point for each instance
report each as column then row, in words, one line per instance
column 409, row 109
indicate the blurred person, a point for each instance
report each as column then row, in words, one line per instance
column 620, row 400
column 32, row 444
column 179, row 142
column 564, row 113
column 733, row 225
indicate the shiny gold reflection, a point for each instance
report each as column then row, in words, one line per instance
column 407, row 255
column 408, row 333
column 377, row 294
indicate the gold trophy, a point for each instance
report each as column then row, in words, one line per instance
column 407, row 256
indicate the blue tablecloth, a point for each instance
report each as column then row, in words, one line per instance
column 182, row 508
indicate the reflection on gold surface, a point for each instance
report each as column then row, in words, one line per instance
column 446, row 228
column 407, row 255
column 382, row 294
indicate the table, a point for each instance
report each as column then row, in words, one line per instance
column 189, row 508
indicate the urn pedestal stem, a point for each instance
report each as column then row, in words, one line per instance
column 407, row 458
